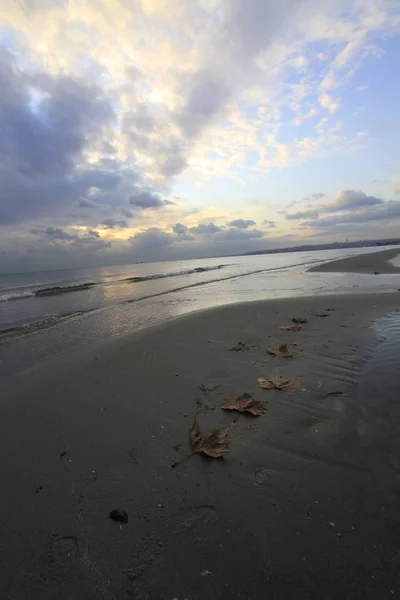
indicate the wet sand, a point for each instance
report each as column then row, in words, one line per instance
column 375, row 263
column 305, row 505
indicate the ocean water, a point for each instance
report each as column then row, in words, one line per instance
column 37, row 324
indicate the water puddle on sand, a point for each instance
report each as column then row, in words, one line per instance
column 380, row 384
column 379, row 395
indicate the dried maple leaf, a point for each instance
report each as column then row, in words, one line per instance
column 215, row 446
column 299, row 320
column 289, row 327
column 245, row 403
column 281, row 351
column 278, row 383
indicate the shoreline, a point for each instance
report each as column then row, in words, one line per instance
column 374, row 263
column 295, row 505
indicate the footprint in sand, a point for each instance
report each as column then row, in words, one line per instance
column 260, row 475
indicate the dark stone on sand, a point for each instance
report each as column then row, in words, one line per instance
column 199, row 270
column 119, row 515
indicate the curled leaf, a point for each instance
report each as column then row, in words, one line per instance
column 281, row 351
column 215, row 446
column 299, row 320
column 289, row 327
column 278, row 383
column 245, row 403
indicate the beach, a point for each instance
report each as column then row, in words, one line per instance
column 304, row 505
column 374, row 263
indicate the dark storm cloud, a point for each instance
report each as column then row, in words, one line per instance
column 241, row 223
column 306, row 214
column 127, row 213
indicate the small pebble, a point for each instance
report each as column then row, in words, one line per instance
column 119, row 515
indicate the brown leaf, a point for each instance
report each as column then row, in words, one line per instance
column 281, row 351
column 289, row 327
column 299, row 320
column 215, row 446
column 245, row 403
column 278, row 383
column 320, row 314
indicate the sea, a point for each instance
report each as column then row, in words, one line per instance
column 47, row 313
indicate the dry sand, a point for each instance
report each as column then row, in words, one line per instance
column 305, row 506
column 374, row 263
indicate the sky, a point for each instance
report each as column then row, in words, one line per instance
column 141, row 130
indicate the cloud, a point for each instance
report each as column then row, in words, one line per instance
column 328, row 102
column 317, row 196
column 350, row 199
column 145, row 199
column 41, row 145
column 248, row 27
column 398, row 188
column 55, row 233
column 113, row 223
column 306, row 214
column 86, row 203
column 270, row 224
column 382, row 212
column 235, row 234
column 241, row 223
column 152, row 239
column 179, row 228
column 206, row 228
column 127, row 213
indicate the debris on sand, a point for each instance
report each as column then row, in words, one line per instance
column 210, row 387
column 278, row 383
column 245, row 403
column 299, row 320
column 289, row 328
column 320, row 314
column 281, row 351
column 241, row 347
